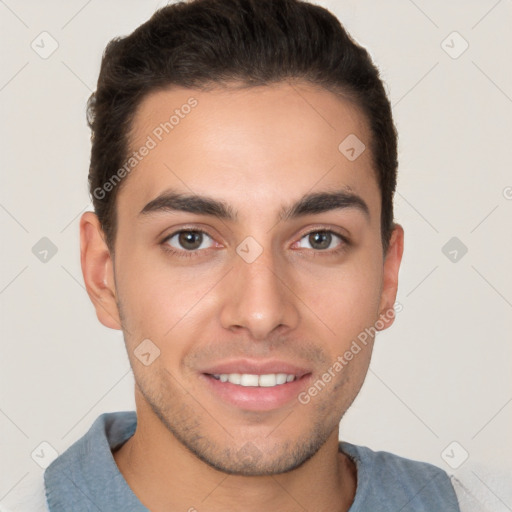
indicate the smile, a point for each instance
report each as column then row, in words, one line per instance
column 268, row 380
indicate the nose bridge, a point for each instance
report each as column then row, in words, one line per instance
column 259, row 300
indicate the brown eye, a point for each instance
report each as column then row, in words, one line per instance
column 322, row 240
column 188, row 240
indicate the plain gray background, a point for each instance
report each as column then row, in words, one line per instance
column 439, row 386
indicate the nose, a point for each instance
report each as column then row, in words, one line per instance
column 259, row 297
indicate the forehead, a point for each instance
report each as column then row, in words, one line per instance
column 248, row 146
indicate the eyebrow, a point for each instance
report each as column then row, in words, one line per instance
column 310, row 204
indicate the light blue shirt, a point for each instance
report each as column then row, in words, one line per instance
column 85, row 478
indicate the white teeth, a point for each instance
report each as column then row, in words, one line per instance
column 234, row 378
column 267, row 381
column 281, row 378
column 247, row 379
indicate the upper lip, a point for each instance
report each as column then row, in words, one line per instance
column 254, row 367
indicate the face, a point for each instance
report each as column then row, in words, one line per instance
column 248, row 256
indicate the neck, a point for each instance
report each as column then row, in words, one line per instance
column 164, row 475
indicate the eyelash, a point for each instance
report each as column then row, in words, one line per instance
column 183, row 253
column 191, row 254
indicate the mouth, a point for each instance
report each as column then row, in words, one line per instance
column 254, row 386
column 268, row 380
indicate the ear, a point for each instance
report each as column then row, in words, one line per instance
column 98, row 271
column 392, row 262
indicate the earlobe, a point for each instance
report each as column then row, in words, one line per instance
column 98, row 271
column 392, row 262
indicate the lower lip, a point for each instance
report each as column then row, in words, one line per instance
column 255, row 398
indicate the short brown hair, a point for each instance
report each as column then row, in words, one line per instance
column 203, row 43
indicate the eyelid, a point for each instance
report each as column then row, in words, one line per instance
column 329, row 229
column 342, row 245
column 316, row 229
column 186, row 230
column 180, row 229
column 183, row 253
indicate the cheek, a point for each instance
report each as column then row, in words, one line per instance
column 345, row 298
column 158, row 298
column 162, row 300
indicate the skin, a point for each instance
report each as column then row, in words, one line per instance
column 257, row 149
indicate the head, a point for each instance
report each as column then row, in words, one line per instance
column 242, row 173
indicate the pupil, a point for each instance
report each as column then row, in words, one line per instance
column 190, row 240
column 322, row 238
